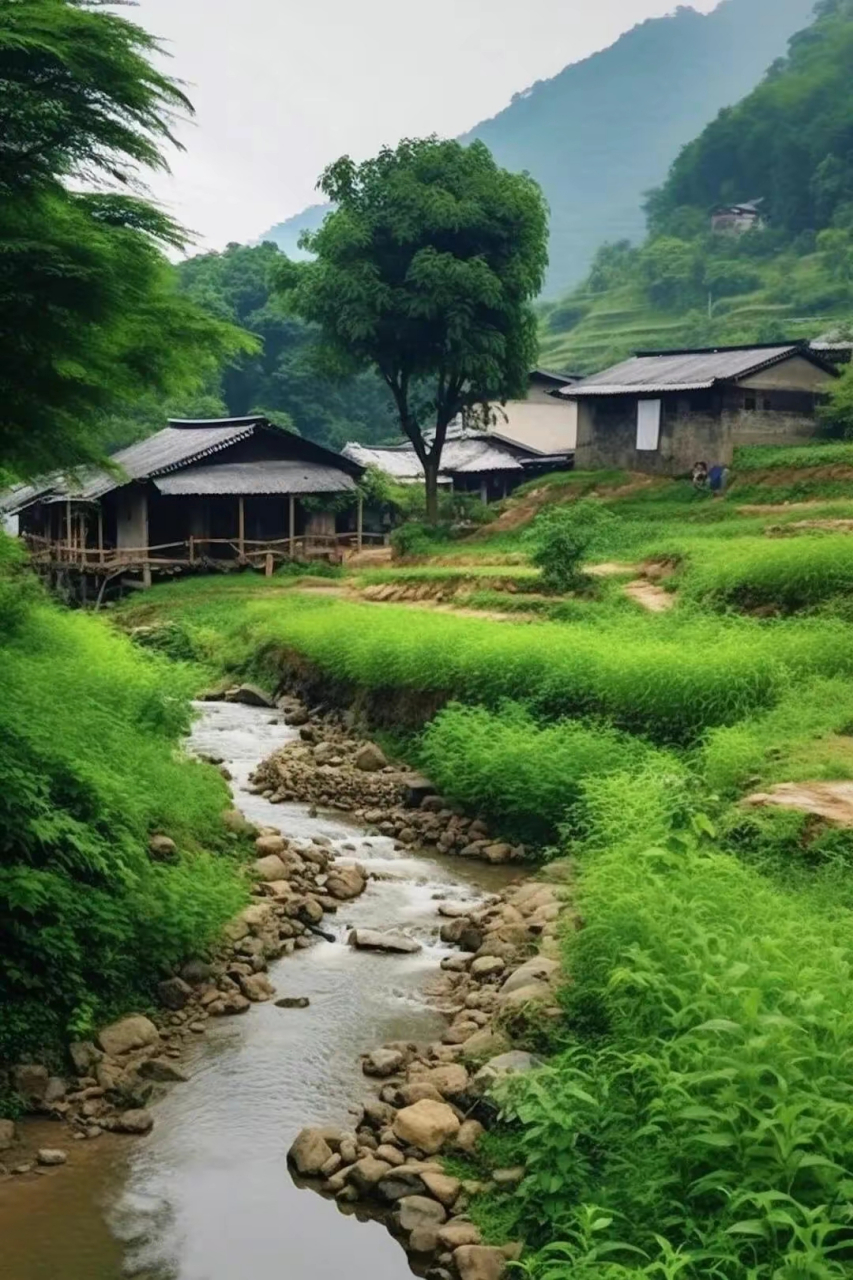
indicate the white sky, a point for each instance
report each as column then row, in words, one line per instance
column 282, row 87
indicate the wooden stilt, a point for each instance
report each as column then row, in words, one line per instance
column 146, row 575
column 68, row 529
column 292, row 527
column 100, row 534
column 360, row 523
column 268, row 564
column 241, row 536
column 192, row 549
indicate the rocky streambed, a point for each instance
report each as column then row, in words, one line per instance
column 206, row 1194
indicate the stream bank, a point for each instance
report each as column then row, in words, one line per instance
column 207, row 1194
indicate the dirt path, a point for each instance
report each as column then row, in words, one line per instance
column 832, row 801
column 649, row 596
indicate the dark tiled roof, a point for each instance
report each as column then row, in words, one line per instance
column 282, row 477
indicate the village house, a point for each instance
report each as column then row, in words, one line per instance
column 664, row 411
column 522, row 438
column 737, row 219
column 235, row 490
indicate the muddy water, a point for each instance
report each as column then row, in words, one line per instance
column 208, row 1195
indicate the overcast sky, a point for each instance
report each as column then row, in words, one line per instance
column 281, row 87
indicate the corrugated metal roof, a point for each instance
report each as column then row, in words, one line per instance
column 284, row 477
column 657, row 372
column 464, row 457
column 465, row 452
column 398, row 461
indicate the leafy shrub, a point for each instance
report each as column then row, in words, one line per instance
column 707, row 1127
column 560, row 538
column 525, row 777
column 411, row 539
column 88, row 769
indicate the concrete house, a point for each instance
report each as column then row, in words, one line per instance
column 664, row 411
column 231, row 490
column 737, row 219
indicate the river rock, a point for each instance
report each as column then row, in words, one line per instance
column 450, row 1080
column 426, row 1125
column 345, row 883
column 29, row 1081
column 137, row 1121
column 487, row 967
column 292, row 1002
column 269, row 868
column 84, row 1054
column 455, row 1233
column 531, row 993
column 325, row 753
column 161, row 1069
column 383, row 1062
column 423, row 1239
column 374, row 940
column 369, row 758
column 250, row 695
column 366, row 1173
column 309, row 1152
column 162, row 849
column 55, row 1091
column 134, row 1032
column 497, row 852
column 7, row 1134
column 235, row 1002
column 50, row 1156
column 400, row 1183
column 444, row 1188
column 539, row 969
column 419, row 1211
column 509, row 1177
column 391, row 1155
column 479, row 1262
column 195, row 972
column 512, row 1063
column 174, row 993
column 485, row 1043
column 256, row 987
column 267, row 844
column 470, row 1133
column 416, row 1091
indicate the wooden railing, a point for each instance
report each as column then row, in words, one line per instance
column 196, row 551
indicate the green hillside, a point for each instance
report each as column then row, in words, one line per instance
column 601, row 133
column 789, row 143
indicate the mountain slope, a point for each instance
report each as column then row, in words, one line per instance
column 789, row 142
column 602, row 132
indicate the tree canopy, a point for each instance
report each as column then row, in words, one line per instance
column 425, row 271
column 90, row 315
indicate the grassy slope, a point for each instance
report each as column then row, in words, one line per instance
column 695, row 1118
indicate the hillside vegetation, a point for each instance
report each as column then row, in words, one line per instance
column 788, row 143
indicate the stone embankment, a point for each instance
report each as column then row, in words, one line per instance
column 434, row 1099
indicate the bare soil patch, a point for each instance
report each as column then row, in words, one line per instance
column 832, row 801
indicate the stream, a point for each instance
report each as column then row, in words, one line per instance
column 208, row 1195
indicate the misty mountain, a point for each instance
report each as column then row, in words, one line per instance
column 605, row 130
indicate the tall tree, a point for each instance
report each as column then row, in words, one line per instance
column 426, row 271
column 90, row 315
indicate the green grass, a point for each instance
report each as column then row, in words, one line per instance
column 815, row 454
column 786, row 573
column 89, row 767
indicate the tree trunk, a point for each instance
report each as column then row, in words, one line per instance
column 431, row 482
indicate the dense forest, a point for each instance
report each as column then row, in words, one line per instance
column 788, row 144
column 595, row 157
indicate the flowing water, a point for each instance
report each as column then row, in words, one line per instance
column 208, row 1195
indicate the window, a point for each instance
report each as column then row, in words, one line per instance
column 750, row 402
column 648, row 425
column 766, row 403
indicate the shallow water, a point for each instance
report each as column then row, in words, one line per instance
column 208, row 1195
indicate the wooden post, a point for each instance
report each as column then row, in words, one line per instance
column 100, row 534
column 268, row 565
column 192, row 549
column 68, row 525
column 292, row 526
column 146, row 575
column 360, row 523
column 241, row 535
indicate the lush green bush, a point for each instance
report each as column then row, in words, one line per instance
column 789, row 574
column 561, row 537
column 701, row 1123
column 414, row 538
column 88, row 769
column 526, row 778
column 772, row 457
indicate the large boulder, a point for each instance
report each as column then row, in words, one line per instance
column 383, row 1062
column 530, row 993
column 7, row 1134
column 251, row 695
column 426, row 1125
column 265, row 845
column 450, row 1080
column 457, row 1232
column 444, row 1188
column 345, row 883
column 369, row 758
column 85, row 1055
column 136, row 1121
column 479, row 1262
column 163, row 1070
column 51, row 1156
column 134, row 1032
column 374, row 940
column 256, row 987
column 400, row 1183
column 367, row 1173
column 309, row 1152
column 485, row 1043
